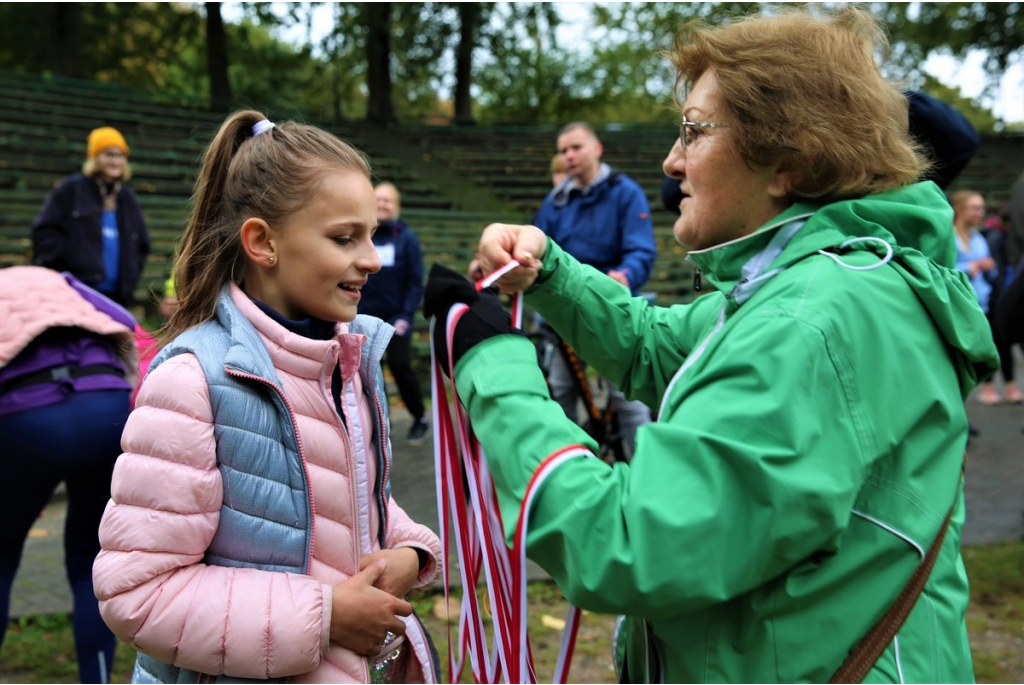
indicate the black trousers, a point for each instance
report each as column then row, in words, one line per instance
column 1009, row 310
column 399, row 360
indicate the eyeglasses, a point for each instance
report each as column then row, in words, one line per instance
column 689, row 130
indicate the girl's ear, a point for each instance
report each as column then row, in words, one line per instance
column 258, row 242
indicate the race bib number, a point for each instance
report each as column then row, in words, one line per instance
column 386, row 254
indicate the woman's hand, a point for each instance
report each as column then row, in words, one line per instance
column 501, row 243
column 362, row 615
column 403, row 568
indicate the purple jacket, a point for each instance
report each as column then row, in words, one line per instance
column 52, row 320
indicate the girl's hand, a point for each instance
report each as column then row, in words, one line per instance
column 362, row 615
column 403, row 568
column 501, row 243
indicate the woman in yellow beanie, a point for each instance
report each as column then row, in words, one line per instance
column 91, row 224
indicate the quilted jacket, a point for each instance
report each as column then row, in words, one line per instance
column 215, row 565
column 50, row 319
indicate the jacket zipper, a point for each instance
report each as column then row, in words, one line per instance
column 386, row 471
column 302, row 456
column 349, row 458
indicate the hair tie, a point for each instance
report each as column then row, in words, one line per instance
column 262, row 126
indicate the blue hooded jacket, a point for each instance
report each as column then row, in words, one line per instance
column 607, row 225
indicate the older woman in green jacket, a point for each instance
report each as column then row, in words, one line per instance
column 811, row 430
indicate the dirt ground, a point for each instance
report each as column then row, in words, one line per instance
column 997, row 651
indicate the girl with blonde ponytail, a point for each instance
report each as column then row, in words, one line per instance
column 251, row 532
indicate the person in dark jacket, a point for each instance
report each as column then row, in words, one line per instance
column 68, row 362
column 91, row 224
column 994, row 231
column 393, row 294
column 1010, row 311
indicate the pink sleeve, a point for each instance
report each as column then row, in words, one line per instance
column 404, row 532
column 155, row 593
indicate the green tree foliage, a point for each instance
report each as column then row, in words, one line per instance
column 618, row 73
column 919, row 29
column 124, row 43
column 525, row 76
column 420, row 35
column 520, row 74
column 339, row 61
column 980, row 117
column 23, row 37
column 629, row 68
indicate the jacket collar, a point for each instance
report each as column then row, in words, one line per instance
column 365, row 339
column 561, row 195
column 723, row 264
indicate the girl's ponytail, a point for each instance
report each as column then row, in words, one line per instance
column 252, row 168
column 208, row 255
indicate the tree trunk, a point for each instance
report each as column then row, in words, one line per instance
column 66, row 38
column 469, row 16
column 217, row 59
column 380, row 109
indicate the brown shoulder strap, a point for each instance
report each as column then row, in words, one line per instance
column 860, row 661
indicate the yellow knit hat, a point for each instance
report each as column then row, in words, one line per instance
column 102, row 138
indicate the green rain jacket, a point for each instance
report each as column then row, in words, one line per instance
column 802, row 462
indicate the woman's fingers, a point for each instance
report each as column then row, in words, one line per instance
column 501, row 243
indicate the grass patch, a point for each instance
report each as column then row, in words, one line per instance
column 995, row 617
column 592, row 660
column 40, row 649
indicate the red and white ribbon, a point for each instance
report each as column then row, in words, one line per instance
column 461, row 468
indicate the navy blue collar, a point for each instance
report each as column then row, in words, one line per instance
column 310, row 327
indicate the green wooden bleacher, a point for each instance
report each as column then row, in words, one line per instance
column 439, row 170
column 44, row 123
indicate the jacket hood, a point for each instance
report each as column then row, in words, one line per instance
column 916, row 221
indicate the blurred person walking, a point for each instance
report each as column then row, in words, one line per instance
column 558, row 169
column 994, row 230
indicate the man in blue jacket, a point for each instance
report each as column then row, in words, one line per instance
column 393, row 294
column 601, row 217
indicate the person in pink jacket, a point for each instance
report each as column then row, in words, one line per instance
column 250, row 531
column 67, row 367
